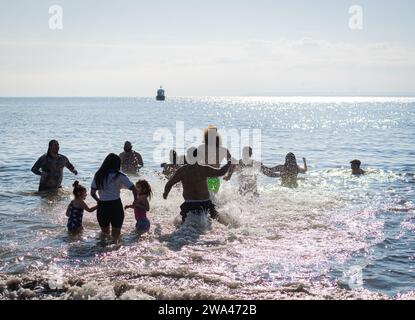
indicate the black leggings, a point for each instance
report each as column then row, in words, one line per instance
column 110, row 213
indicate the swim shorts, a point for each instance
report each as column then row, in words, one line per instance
column 198, row 206
column 214, row 184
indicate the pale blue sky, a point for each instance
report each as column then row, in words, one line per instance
column 228, row 47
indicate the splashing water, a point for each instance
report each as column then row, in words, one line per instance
column 334, row 237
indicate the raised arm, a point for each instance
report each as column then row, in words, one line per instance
column 271, row 172
column 233, row 168
column 177, row 177
column 212, row 172
column 303, row 170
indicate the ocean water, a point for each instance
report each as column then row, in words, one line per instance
column 334, row 237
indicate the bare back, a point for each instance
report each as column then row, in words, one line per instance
column 194, row 183
column 194, row 180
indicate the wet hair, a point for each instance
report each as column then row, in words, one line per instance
column 145, row 188
column 290, row 158
column 51, row 142
column 112, row 163
column 78, row 189
column 356, row 162
column 291, row 162
column 218, row 139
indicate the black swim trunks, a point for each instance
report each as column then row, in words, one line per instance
column 198, row 206
column 110, row 212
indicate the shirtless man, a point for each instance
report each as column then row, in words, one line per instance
column 50, row 167
column 131, row 161
column 195, row 186
column 212, row 153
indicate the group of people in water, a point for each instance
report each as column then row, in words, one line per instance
column 199, row 173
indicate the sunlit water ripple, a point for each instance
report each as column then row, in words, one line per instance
column 333, row 237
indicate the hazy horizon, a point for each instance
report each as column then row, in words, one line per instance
column 226, row 96
column 232, row 48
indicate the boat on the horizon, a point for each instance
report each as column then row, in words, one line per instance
column 160, row 94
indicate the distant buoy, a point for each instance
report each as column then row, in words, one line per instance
column 160, row 94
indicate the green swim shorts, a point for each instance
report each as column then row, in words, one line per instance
column 214, row 184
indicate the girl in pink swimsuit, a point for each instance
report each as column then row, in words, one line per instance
column 142, row 206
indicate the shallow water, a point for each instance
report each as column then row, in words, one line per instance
column 333, row 237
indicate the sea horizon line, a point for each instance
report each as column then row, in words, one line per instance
column 218, row 96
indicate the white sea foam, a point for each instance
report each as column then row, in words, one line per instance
column 308, row 242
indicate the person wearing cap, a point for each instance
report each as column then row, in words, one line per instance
column 131, row 161
column 355, row 165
